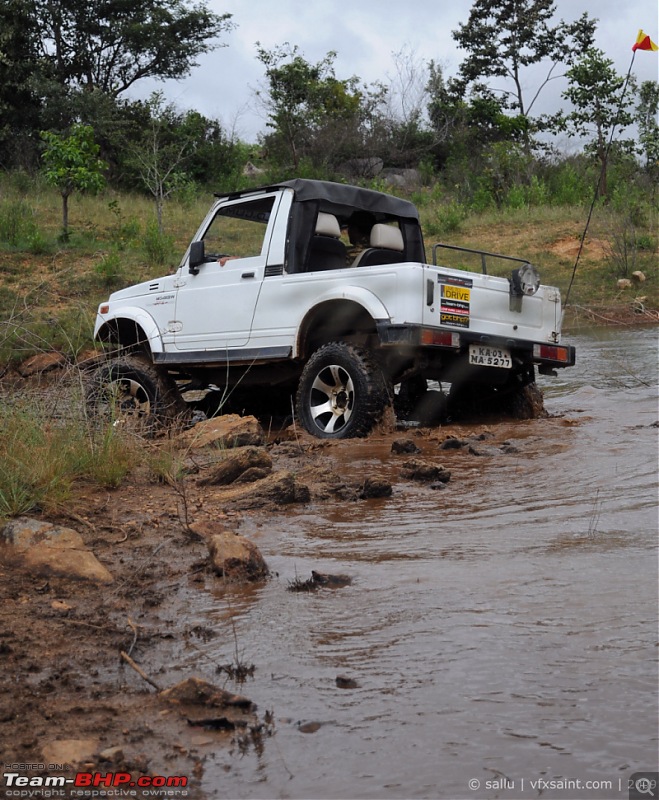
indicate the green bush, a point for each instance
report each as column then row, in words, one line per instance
column 447, row 219
column 16, row 222
column 158, row 247
column 110, row 269
column 567, row 187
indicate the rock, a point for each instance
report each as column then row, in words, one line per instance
column 343, row 682
column 308, row 727
column 484, row 450
column 281, row 488
column 509, row 448
column 318, row 580
column 252, row 474
column 404, row 446
column 638, row 276
column 70, row 751
column 198, row 692
column 246, row 465
column 624, row 283
column 402, row 178
column 42, row 362
column 375, row 487
column 330, row 581
column 228, row 430
column 114, row 755
column 51, row 550
column 452, row 443
column 418, row 470
column 234, row 557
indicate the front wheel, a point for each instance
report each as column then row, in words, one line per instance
column 131, row 393
column 342, row 392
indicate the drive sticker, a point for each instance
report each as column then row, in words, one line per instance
column 455, row 295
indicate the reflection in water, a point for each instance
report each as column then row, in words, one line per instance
column 501, row 630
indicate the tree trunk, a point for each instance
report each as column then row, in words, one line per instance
column 65, row 216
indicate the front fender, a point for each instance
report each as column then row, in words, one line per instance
column 106, row 322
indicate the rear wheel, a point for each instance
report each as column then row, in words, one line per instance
column 519, row 397
column 130, row 392
column 342, row 392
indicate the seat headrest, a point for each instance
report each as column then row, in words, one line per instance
column 327, row 225
column 387, row 236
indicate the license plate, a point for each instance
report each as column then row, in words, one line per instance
column 482, row 356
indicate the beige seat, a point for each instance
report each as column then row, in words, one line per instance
column 387, row 247
column 327, row 251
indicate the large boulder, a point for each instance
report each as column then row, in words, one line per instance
column 280, row 488
column 48, row 549
column 402, row 178
column 234, row 557
column 245, row 465
column 228, row 430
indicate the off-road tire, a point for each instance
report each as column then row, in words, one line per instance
column 342, row 392
column 130, row 392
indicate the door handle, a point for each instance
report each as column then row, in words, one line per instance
column 247, row 275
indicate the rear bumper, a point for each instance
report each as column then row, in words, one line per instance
column 456, row 342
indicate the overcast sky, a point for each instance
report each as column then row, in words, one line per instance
column 365, row 34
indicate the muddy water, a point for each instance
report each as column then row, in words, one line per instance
column 501, row 631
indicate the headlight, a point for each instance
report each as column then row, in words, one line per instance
column 524, row 281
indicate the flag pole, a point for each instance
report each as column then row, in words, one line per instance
column 599, row 184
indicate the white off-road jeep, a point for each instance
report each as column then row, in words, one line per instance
column 269, row 312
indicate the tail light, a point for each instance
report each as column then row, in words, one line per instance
column 551, row 352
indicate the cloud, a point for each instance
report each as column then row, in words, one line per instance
column 365, row 35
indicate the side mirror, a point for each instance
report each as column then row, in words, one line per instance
column 197, row 257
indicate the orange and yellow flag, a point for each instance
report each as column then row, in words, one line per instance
column 643, row 42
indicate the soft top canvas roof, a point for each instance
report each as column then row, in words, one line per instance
column 340, row 198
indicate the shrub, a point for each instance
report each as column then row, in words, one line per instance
column 448, row 219
column 158, row 247
column 110, row 269
column 16, row 222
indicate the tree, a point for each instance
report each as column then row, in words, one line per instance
column 503, row 37
column 111, row 44
column 159, row 156
column 72, row 164
column 19, row 68
column 469, row 126
column 646, row 118
column 302, row 99
column 595, row 91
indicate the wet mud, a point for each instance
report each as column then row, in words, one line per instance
column 496, row 626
